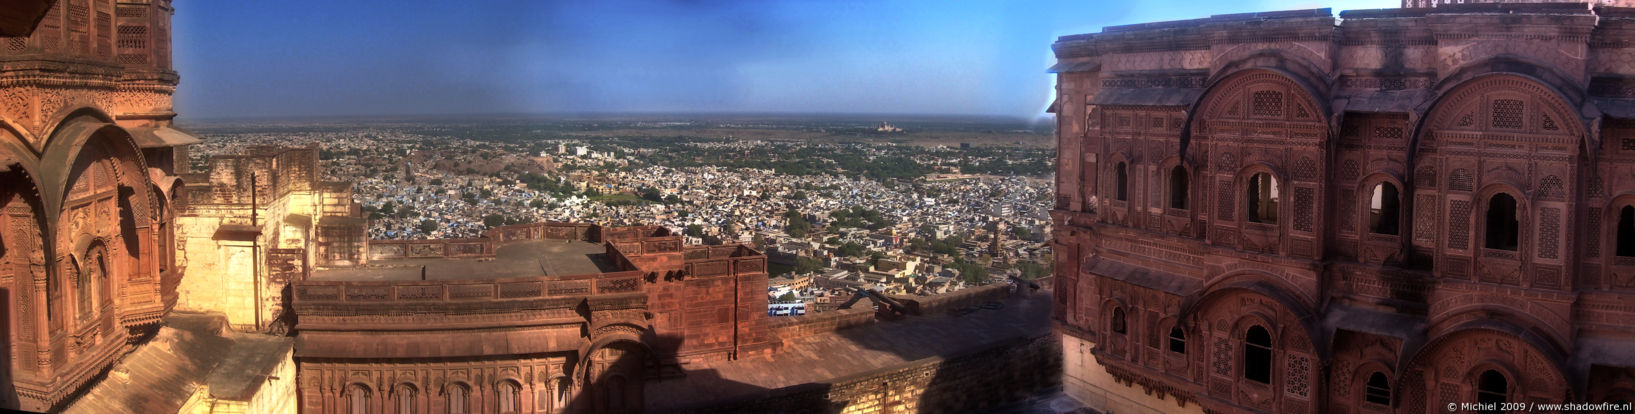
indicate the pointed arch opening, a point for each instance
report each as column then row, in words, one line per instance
column 1177, row 339
column 1626, row 232
column 1178, row 188
column 1492, row 388
column 1118, row 321
column 1257, row 355
column 1263, row 197
column 1383, row 209
column 1121, row 176
column 1503, row 226
column 1378, row 389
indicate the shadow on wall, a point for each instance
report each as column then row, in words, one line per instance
column 614, row 375
column 8, row 387
column 949, row 360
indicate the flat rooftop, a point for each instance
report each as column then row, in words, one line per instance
column 831, row 356
column 516, row 259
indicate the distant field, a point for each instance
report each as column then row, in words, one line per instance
column 926, row 139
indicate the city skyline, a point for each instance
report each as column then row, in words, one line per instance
column 250, row 60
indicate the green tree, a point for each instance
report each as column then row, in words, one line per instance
column 652, row 194
column 388, row 208
column 428, row 226
column 537, row 203
column 851, row 249
column 796, row 224
column 786, row 297
column 1022, row 233
column 918, row 245
column 494, row 220
column 695, row 230
column 805, row 264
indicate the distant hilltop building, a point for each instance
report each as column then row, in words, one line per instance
column 1398, row 210
column 886, row 127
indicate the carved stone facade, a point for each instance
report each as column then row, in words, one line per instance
column 87, row 173
column 1284, row 212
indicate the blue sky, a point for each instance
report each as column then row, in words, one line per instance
column 299, row 58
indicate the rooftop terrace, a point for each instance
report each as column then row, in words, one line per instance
column 514, row 259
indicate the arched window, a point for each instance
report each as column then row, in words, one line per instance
column 1382, row 210
column 82, row 287
column 1122, row 183
column 1177, row 340
column 1262, row 198
column 457, row 399
column 563, row 389
column 1178, row 188
column 1492, row 388
column 1502, row 226
column 358, row 398
column 508, row 397
column 1257, row 355
column 1118, row 320
column 404, row 396
column 1378, row 390
column 1626, row 231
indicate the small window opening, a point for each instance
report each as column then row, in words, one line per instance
column 1122, row 186
column 1383, row 214
column 1626, row 232
column 1263, row 198
column 1257, row 355
column 1177, row 340
column 1503, row 228
column 1379, row 389
column 1492, row 389
column 1178, row 188
column 1118, row 320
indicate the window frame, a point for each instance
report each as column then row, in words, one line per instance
column 1252, row 349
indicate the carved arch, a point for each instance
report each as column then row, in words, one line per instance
column 1470, row 106
column 1257, row 283
column 1459, row 354
column 1231, row 96
column 23, row 139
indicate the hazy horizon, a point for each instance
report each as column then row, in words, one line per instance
column 374, row 58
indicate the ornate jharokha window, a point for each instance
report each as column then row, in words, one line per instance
column 1378, row 390
column 456, row 399
column 1262, row 198
column 1503, row 228
column 508, row 397
column 1382, row 210
column 1626, row 232
column 91, row 274
column 1177, row 339
column 1492, row 387
column 1122, row 183
column 1257, row 355
column 1178, row 188
column 1118, row 320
